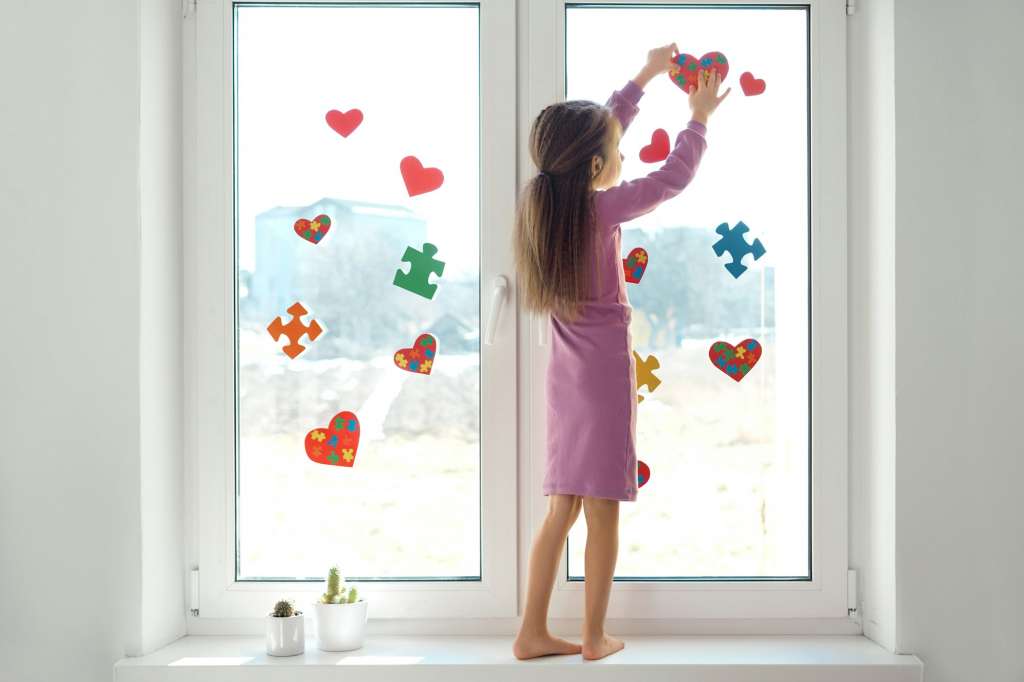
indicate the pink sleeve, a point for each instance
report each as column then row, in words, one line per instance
column 635, row 198
column 623, row 103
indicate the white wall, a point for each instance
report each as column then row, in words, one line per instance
column 959, row 345
column 70, row 301
column 74, row 528
column 871, row 270
column 937, row 332
column 160, row 356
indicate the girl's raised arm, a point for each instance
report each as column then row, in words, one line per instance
column 635, row 198
column 623, row 103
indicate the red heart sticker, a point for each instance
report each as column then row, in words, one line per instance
column 344, row 122
column 420, row 180
column 313, row 230
column 657, row 150
column 735, row 361
column 684, row 73
column 635, row 265
column 420, row 358
column 643, row 474
column 337, row 444
column 751, row 86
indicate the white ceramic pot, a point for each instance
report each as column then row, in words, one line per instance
column 286, row 636
column 340, row 627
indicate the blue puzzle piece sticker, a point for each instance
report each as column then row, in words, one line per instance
column 735, row 243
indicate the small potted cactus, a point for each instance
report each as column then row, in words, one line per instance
column 340, row 616
column 286, row 630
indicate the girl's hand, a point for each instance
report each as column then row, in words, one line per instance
column 659, row 61
column 704, row 98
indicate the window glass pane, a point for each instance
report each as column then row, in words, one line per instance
column 409, row 507
column 728, row 494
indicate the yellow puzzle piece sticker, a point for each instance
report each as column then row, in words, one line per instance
column 645, row 374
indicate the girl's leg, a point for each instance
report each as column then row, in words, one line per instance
column 599, row 564
column 534, row 639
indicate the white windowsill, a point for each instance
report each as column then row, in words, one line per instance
column 451, row 659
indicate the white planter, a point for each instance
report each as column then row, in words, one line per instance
column 286, row 636
column 340, row 627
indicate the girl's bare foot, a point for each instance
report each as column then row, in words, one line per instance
column 599, row 648
column 533, row 646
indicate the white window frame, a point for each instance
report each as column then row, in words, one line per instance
column 210, row 334
column 510, row 486
column 824, row 595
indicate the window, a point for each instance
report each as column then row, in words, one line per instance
column 751, row 520
column 732, row 454
column 403, row 508
column 447, row 471
column 411, row 507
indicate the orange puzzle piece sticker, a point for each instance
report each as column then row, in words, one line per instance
column 294, row 330
column 645, row 374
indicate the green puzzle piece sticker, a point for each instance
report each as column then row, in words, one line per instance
column 421, row 265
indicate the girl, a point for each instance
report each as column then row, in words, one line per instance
column 568, row 257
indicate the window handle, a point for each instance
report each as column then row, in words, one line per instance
column 497, row 302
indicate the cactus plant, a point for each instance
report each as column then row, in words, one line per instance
column 285, row 609
column 285, row 630
column 336, row 592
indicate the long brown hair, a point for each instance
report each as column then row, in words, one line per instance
column 554, row 224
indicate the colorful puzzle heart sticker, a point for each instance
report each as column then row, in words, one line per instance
column 420, row 358
column 421, row 265
column 419, row 180
column 337, row 444
column 658, row 149
column 751, row 86
column 294, row 330
column 684, row 74
column 344, row 122
column 645, row 374
column 735, row 361
column 643, row 474
column 635, row 265
column 313, row 230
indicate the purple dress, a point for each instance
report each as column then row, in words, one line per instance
column 591, row 381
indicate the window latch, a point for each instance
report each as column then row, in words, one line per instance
column 193, row 594
column 497, row 302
